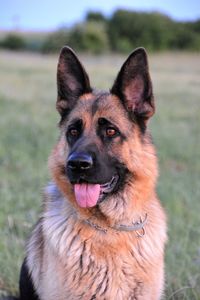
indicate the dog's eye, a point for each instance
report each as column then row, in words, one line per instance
column 111, row 132
column 73, row 132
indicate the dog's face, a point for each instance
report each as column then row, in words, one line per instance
column 94, row 137
column 103, row 134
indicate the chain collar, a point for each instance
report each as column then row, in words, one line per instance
column 138, row 226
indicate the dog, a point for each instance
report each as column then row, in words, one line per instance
column 102, row 233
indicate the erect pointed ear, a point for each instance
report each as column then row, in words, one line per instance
column 133, row 86
column 72, row 81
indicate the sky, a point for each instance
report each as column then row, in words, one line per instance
column 52, row 14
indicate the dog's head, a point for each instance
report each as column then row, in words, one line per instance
column 104, row 146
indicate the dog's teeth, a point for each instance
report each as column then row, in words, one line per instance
column 108, row 184
column 105, row 185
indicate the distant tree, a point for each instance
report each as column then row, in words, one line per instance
column 56, row 40
column 90, row 37
column 95, row 16
column 194, row 26
column 13, row 41
column 184, row 38
column 127, row 30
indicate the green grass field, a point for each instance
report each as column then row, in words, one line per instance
column 28, row 130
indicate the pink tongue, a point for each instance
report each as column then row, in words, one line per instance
column 87, row 194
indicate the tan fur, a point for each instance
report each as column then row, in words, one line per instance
column 76, row 260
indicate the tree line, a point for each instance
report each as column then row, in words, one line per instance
column 122, row 32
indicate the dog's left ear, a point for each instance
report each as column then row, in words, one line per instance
column 133, row 86
column 72, row 81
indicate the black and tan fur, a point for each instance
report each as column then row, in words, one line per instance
column 69, row 257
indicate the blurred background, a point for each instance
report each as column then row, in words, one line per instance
column 114, row 25
column 103, row 34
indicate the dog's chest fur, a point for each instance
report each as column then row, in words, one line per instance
column 84, row 276
column 75, row 265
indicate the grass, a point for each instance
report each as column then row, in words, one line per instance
column 28, row 131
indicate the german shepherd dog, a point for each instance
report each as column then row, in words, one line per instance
column 102, row 231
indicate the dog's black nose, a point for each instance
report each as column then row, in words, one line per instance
column 80, row 162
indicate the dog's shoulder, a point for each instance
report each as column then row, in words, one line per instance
column 27, row 290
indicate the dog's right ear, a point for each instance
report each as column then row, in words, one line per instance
column 72, row 81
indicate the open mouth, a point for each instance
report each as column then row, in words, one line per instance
column 108, row 187
column 89, row 195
